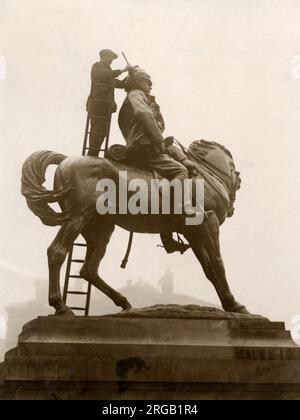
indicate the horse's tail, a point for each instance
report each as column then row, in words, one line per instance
column 37, row 197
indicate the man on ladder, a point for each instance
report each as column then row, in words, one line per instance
column 101, row 103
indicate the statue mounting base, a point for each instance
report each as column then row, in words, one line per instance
column 163, row 352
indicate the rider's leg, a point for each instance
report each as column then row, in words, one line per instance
column 169, row 169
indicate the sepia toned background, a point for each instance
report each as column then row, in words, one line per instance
column 223, row 70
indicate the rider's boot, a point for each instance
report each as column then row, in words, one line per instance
column 171, row 245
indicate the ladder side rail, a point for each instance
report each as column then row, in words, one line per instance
column 86, row 134
column 67, row 276
column 88, row 299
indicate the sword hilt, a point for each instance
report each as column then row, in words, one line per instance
column 125, row 58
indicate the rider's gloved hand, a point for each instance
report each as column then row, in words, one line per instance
column 169, row 141
column 162, row 147
column 190, row 166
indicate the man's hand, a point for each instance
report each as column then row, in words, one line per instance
column 127, row 68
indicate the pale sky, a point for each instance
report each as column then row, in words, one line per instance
column 224, row 70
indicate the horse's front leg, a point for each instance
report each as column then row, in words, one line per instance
column 204, row 241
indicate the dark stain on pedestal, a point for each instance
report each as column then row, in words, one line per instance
column 125, row 366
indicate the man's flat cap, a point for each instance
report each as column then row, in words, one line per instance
column 108, row 53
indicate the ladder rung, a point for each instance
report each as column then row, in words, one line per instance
column 77, row 309
column 110, row 85
column 98, row 117
column 72, row 276
column 73, row 292
column 100, row 101
column 78, row 261
column 78, row 244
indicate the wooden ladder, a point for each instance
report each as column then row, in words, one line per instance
column 72, row 261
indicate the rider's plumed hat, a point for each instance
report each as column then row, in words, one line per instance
column 134, row 75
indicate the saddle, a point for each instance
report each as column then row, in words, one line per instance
column 120, row 153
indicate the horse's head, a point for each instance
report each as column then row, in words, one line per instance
column 217, row 160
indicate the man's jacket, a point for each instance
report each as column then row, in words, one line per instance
column 103, row 74
column 141, row 123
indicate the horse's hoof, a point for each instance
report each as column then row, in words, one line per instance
column 126, row 307
column 231, row 305
column 244, row 310
column 64, row 312
column 239, row 309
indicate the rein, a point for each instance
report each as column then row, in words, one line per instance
column 212, row 184
column 203, row 160
column 208, row 165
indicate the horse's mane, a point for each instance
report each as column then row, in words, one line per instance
column 199, row 152
column 199, row 148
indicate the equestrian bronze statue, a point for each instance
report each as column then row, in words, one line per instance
column 76, row 190
column 75, row 184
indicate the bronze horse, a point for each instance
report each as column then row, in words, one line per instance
column 75, row 191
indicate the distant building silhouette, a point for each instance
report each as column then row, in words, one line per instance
column 2, row 349
column 142, row 294
column 167, row 283
column 139, row 293
column 20, row 313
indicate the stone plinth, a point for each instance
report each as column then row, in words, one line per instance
column 200, row 353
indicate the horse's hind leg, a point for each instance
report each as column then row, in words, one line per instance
column 97, row 235
column 204, row 240
column 57, row 253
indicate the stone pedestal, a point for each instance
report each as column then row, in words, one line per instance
column 158, row 353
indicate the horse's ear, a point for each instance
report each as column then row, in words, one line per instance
column 208, row 144
column 239, row 180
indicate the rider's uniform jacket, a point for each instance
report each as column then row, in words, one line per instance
column 141, row 122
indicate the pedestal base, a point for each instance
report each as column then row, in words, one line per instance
column 141, row 357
